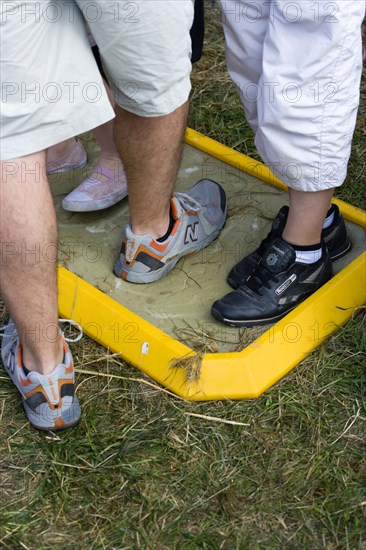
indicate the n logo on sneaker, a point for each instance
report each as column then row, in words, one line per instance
column 191, row 233
column 279, row 290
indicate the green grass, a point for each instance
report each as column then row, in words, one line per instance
column 287, row 470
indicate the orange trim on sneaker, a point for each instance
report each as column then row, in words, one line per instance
column 39, row 389
column 143, row 248
column 52, row 388
column 70, row 368
column 25, row 382
column 161, row 247
column 175, row 227
column 59, row 422
column 20, row 357
column 173, row 209
column 133, row 241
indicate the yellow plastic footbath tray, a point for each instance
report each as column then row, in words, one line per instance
column 165, row 328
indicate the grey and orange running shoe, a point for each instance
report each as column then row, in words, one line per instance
column 199, row 216
column 49, row 400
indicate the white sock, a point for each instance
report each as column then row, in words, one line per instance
column 308, row 256
column 329, row 219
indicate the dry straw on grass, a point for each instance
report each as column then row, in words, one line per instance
column 191, row 365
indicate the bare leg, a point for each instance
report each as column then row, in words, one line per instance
column 105, row 138
column 306, row 216
column 108, row 156
column 151, row 151
column 28, row 282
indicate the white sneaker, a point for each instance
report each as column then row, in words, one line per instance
column 104, row 188
column 75, row 157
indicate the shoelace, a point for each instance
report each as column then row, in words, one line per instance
column 70, row 321
column 73, row 324
column 260, row 277
column 272, row 233
column 188, row 202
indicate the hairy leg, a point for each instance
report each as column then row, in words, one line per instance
column 151, row 149
column 28, row 281
column 104, row 133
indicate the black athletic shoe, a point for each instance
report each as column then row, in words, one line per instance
column 275, row 287
column 335, row 238
column 241, row 271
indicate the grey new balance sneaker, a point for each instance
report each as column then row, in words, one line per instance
column 49, row 400
column 199, row 215
column 275, row 287
column 335, row 238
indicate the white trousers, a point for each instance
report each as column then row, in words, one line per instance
column 297, row 66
